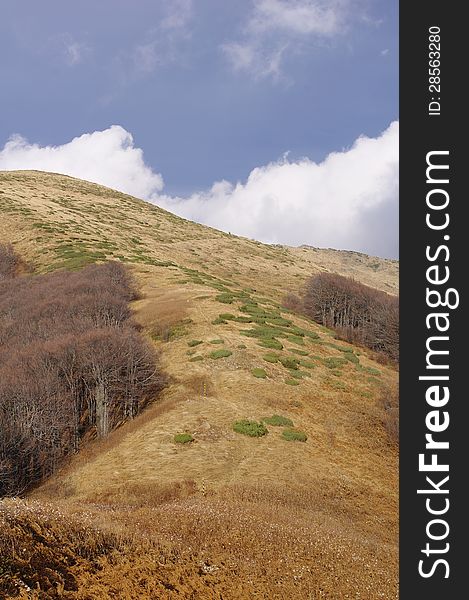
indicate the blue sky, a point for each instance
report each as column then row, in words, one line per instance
column 208, row 90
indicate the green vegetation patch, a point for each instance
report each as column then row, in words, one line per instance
column 250, row 428
column 219, row 321
column 216, row 342
column 334, row 362
column 193, row 343
column 259, row 373
column 289, row 362
column 292, row 382
column 223, row 353
column 299, row 374
column 196, row 358
column 371, row 370
column 298, row 351
column 271, row 358
column 183, row 438
column 271, row 343
column 278, row 421
column 226, row 298
column 295, row 339
column 308, row 364
column 293, row 435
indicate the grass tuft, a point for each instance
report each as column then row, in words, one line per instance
column 223, row 353
column 278, row 421
column 193, row 343
column 250, row 428
column 293, row 435
column 183, row 438
column 259, row 373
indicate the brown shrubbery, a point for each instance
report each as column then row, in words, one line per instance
column 10, row 262
column 358, row 313
column 389, row 404
column 71, row 362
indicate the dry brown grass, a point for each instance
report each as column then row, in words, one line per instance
column 239, row 546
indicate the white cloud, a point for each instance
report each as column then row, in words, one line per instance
column 347, row 201
column 297, row 16
column 178, row 16
column 106, row 157
column 165, row 41
column 260, row 62
column 272, row 26
column 335, row 203
column 71, row 51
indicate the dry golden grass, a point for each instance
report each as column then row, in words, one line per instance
column 227, row 515
column 246, row 544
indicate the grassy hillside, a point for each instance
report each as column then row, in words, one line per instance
column 225, row 514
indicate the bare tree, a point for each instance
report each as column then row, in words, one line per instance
column 72, row 361
column 357, row 312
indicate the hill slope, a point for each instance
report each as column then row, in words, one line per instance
column 238, row 517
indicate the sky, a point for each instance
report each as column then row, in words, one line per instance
column 273, row 119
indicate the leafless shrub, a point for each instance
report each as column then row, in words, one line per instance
column 71, row 362
column 10, row 262
column 358, row 313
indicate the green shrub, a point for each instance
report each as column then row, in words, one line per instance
column 298, row 374
column 226, row 298
column 334, row 362
column 298, row 351
column 278, row 421
column 289, row 362
column 304, row 332
column 370, row 370
column 242, row 319
column 271, row 358
column 259, row 373
column 223, row 353
column 293, row 435
column 227, row 317
column 251, row 428
column 351, row 357
column 193, row 343
column 292, row 382
column 241, row 346
column 280, row 321
column 308, row 364
column 183, row 438
column 219, row 321
column 263, row 332
column 216, row 342
column 196, row 358
column 295, row 339
column 271, row 343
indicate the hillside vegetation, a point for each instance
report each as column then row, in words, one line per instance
column 264, row 470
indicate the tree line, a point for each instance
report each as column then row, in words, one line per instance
column 72, row 362
column 358, row 313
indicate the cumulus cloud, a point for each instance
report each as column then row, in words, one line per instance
column 107, row 157
column 347, row 201
column 272, row 26
column 350, row 200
